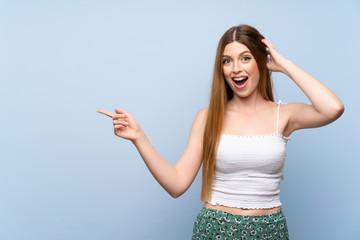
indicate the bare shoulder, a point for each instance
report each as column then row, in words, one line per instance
column 286, row 125
column 292, row 109
column 293, row 106
column 199, row 123
column 302, row 115
column 201, row 116
column 202, row 113
column 288, row 108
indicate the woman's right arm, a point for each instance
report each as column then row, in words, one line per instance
column 174, row 179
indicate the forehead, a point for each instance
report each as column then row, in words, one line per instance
column 235, row 48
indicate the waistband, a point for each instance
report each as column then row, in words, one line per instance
column 265, row 218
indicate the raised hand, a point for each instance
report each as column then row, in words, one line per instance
column 125, row 125
column 277, row 61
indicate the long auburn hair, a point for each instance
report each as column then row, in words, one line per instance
column 221, row 93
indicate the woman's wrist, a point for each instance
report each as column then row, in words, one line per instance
column 286, row 67
column 140, row 136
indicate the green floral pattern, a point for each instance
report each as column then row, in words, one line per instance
column 213, row 224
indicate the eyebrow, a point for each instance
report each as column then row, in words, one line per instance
column 246, row 51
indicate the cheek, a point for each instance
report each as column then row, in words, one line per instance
column 226, row 72
column 253, row 68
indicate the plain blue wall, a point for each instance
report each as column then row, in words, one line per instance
column 63, row 173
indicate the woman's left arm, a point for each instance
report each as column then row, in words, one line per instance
column 326, row 106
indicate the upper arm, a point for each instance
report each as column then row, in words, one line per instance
column 189, row 163
column 303, row 115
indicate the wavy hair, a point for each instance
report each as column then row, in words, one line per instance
column 221, row 93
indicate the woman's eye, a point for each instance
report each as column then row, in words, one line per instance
column 246, row 58
column 226, row 61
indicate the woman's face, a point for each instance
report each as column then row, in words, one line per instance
column 240, row 69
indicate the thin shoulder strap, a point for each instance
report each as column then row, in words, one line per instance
column 277, row 119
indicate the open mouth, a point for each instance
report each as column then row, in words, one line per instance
column 240, row 82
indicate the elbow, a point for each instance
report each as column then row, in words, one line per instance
column 176, row 194
column 178, row 188
column 334, row 113
column 341, row 109
column 338, row 111
column 177, row 191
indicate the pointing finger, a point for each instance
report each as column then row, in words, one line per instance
column 107, row 113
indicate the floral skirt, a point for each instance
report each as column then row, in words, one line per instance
column 211, row 224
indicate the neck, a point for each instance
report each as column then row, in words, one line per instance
column 252, row 103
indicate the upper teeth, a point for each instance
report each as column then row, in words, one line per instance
column 239, row 79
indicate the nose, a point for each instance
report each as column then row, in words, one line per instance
column 237, row 67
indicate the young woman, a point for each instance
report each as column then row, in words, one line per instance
column 240, row 139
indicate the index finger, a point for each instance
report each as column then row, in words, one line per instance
column 107, row 113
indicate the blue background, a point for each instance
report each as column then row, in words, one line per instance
column 64, row 174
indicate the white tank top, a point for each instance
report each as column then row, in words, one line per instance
column 248, row 170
